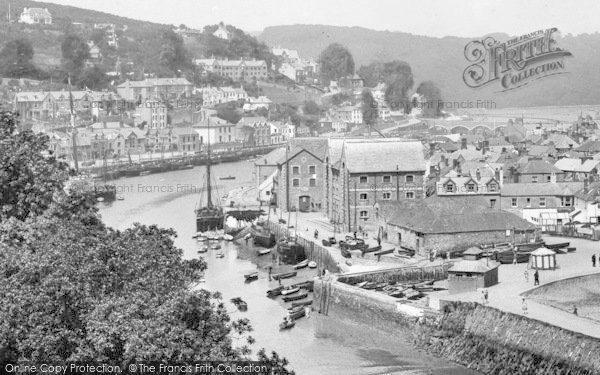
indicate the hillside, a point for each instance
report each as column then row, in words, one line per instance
column 442, row 60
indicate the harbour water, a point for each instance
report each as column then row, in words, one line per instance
column 317, row 344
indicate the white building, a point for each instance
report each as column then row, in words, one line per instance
column 222, row 32
column 252, row 104
column 286, row 55
column 153, row 112
column 36, row 16
column 215, row 130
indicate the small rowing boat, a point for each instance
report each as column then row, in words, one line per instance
column 289, row 290
column 274, row 292
column 295, row 297
column 263, row 251
column 220, row 255
column 301, row 265
column 203, row 249
column 215, row 246
column 286, row 275
column 251, row 276
column 312, row 264
column 287, row 324
column 240, row 303
column 302, row 303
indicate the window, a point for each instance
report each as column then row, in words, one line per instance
column 387, row 179
column 312, row 182
column 410, row 195
column 296, row 182
column 493, row 187
column 363, row 214
column 362, row 196
column 492, row 203
column 471, row 187
column 566, row 201
column 312, row 169
column 410, row 178
column 449, row 187
column 543, row 202
column 528, row 202
column 513, row 202
column 534, row 179
column 548, row 178
column 363, row 179
column 387, row 195
column 295, row 170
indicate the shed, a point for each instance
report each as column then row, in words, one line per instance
column 543, row 259
column 469, row 275
column 472, row 253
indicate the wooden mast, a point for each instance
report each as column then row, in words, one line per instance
column 73, row 128
column 208, row 190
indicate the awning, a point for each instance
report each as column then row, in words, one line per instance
column 554, row 216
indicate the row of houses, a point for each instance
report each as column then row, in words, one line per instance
column 236, row 70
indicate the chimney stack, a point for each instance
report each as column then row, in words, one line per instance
column 553, row 178
column 478, row 175
column 586, row 185
column 497, row 175
column 463, row 144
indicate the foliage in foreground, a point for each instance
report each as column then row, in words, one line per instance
column 76, row 290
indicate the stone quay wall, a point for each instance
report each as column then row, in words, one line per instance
column 399, row 274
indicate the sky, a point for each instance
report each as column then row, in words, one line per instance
column 437, row 18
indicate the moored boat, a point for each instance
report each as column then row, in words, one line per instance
column 289, row 290
column 227, row 178
column 220, row 254
column 285, row 275
column 287, row 324
column 302, row 303
column 215, row 246
column 301, row 265
column 295, row 297
column 240, row 303
column 251, row 276
column 203, row 249
column 274, row 292
column 312, row 264
column 556, row 246
column 263, row 251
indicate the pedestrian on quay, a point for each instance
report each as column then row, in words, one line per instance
column 485, row 296
column 593, row 260
column 536, row 278
column 526, row 274
column 574, row 310
column 378, row 241
column 354, row 234
column 316, row 234
column 524, row 306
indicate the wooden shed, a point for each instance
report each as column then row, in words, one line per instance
column 469, row 275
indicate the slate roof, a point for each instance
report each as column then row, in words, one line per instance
column 149, row 82
column 539, row 150
column 272, row 157
column 316, row 146
column 589, row 146
column 31, row 96
column 384, row 156
column 539, row 166
column 576, row 165
column 561, row 141
column 531, row 189
column 441, row 215
column 474, row 266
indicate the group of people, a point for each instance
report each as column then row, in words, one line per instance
column 536, row 277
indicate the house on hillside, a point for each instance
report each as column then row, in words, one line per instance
column 222, row 32
column 36, row 16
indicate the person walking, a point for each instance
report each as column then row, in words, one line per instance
column 574, row 310
column 536, row 278
column 524, row 306
column 485, row 296
column 316, row 234
column 378, row 241
column 526, row 274
column 593, row 260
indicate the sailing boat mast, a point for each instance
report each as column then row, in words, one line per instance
column 208, row 190
column 73, row 128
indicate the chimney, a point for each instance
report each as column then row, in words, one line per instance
column 497, row 175
column 455, row 164
column 463, row 143
column 478, row 175
column 586, row 185
column 431, row 149
column 553, row 178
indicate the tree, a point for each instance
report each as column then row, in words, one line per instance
column 73, row 289
column 311, row 108
column 369, row 108
column 173, row 55
column 28, row 177
column 94, row 78
column 433, row 99
column 336, row 62
column 228, row 112
column 75, row 52
column 16, row 59
column 397, row 76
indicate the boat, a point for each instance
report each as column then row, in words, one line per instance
column 120, row 198
column 262, row 236
column 302, row 303
column 301, row 265
column 210, row 216
column 100, row 199
column 289, row 290
column 571, row 249
column 144, row 172
column 202, row 238
column 251, row 276
column 295, row 297
column 197, row 234
column 287, row 324
column 285, row 275
column 240, row 303
column 203, row 249
column 297, row 313
column 383, row 252
column 274, row 292
column 557, row 246
column 220, row 255
column 228, row 237
column 312, row 264
column 264, row 251
column 346, row 253
column 247, row 236
column 215, row 246
column 227, row 178
column 508, row 257
column 371, row 249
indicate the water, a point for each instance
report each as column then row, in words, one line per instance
column 316, row 345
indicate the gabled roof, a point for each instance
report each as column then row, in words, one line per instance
column 315, row 146
column 538, row 166
column 589, row 194
column 576, row 165
column 384, row 156
column 31, row 96
column 272, row 158
column 589, row 146
column 561, row 141
column 539, row 150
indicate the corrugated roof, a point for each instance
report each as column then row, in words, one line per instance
column 374, row 156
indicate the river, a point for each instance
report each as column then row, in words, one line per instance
column 318, row 344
